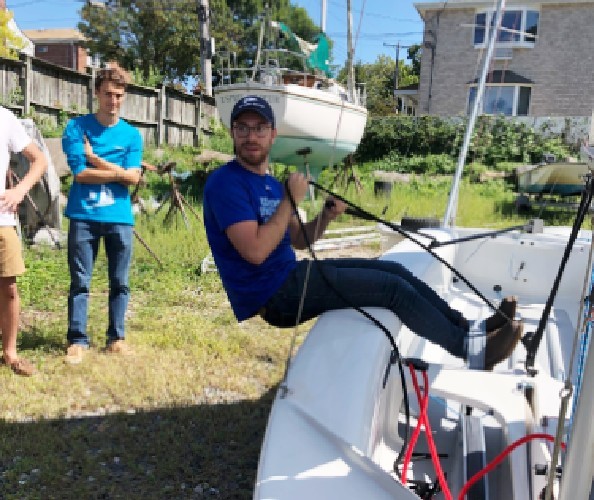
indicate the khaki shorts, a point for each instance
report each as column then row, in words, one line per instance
column 11, row 258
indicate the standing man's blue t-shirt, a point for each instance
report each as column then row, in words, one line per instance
column 234, row 194
column 120, row 144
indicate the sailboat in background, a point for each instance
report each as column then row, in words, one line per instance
column 344, row 424
column 319, row 122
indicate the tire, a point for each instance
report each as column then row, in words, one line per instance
column 414, row 223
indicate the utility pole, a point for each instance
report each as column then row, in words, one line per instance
column 350, row 69
column 396, row 72
column 205, row 46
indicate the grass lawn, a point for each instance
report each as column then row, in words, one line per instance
column 185, row 415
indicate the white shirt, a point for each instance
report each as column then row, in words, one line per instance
column 13, row 139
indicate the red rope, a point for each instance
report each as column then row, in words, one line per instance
column 423, row 403
column 497, row 460
column 424, row 420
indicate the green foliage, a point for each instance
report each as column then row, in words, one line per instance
column 15, row 97
column 155, row 37
column 246, row 14
column 414, row 55
column 48, row 126
column 219, row 140
column 431, row 164
column 154, row 78
column 10, row 42
column 161, row 40
column 378, row 78
column 496, row 141
column 407, row 136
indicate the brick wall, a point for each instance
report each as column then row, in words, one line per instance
column 69, row 55
column 560, row 63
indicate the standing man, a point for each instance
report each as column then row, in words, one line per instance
column 14, row 139
column 104, row 154
column 251, row 227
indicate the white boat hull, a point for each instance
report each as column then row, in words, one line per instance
column 334, row 430
column 306, row 117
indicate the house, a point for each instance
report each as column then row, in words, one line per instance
column 409, row 96
column 542, row 64
column 27, row 47
column 62, row 46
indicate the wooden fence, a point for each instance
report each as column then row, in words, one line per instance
column 163, row 115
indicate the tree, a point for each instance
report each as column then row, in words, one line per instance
column 414, row 55
column 10, row 42
column 152, row 35
column 378, row 78
column 163, row 37
column 250, row 14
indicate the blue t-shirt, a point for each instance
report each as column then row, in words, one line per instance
column 234, row 194
column 120, row 144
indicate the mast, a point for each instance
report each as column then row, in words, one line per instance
column 449, row 218
column 351, row 77
column 323, row 17
column 579, row 460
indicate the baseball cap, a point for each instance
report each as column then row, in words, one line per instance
column 256, row 104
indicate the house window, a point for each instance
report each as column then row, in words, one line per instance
column 42, row 49
column 518, row 27
column 508, row 100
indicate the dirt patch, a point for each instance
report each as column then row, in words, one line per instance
column 362, row 251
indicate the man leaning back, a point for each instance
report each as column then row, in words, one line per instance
column 252, row 228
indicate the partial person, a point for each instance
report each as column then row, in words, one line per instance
column 104, row 153
column 14, row 139
column 252, row 228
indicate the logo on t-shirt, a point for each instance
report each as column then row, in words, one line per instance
column 103, row 198
column 267, row 208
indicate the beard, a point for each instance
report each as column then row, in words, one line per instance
column 252, row 157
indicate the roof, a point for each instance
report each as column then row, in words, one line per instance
column 412, row 86
column 504, row 76
column 412, row 89
column 55, row 35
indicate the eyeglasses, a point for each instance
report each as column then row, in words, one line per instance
column 244, row 130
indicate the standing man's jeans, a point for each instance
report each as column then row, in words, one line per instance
column 369, row 283
column 83, row 245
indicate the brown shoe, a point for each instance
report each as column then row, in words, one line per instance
column 119, row 347
column 75, row 354
column 507, row 309
column 21, row 367
column 502, row 342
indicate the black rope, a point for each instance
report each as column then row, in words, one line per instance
column 532, row 340
column 492, row 234
column 394, row 357
column 407, row 234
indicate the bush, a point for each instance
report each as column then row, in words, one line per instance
column 431, row 164
column 496, row 141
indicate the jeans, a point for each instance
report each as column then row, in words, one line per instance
column 83, row 245
column 369, row 283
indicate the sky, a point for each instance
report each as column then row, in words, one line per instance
column 375, row 23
